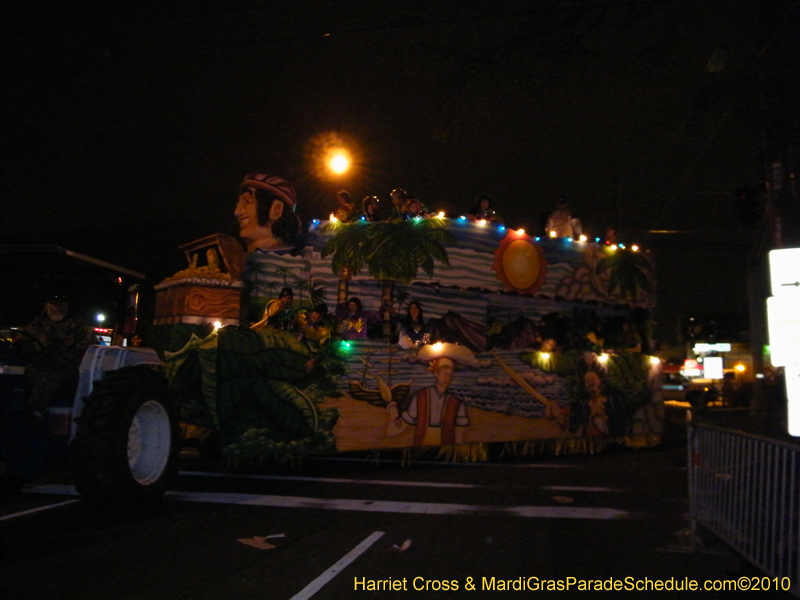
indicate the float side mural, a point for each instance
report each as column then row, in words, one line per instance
column 515, row 346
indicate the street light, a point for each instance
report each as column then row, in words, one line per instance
column 339, row 162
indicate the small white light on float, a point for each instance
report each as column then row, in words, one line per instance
column 482, row 222
column 635, row 248
column 437, row 347
column 217, row 325
column 333, row 218
column 520, row 231
column 441, row 214
column 740, row 368
column 545, row 355
column 603, row 358
column 552, row 234
column 583, row 238
column 654, row 360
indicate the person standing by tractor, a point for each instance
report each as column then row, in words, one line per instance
column 55, row 343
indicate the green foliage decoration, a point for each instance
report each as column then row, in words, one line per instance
column 392, row 250
column 628, row 270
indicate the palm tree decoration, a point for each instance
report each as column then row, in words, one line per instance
column 284, row 272
column 300, row 284
column 316, row 293
column 628, row 271
column 271, row 286
column 400, row 249
column 394, row 252
column 347, row 248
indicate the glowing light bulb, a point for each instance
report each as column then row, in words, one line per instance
column 339, row 163
column 552, row 234
column 521, row 231
column 333, row 218
column 583, row 238
column 603, row 358
column 654, row 360
column 635, row 248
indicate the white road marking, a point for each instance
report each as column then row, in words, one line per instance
column 313, row 587
column 334, row 480
column 35, row 510
column 419, row 508
column 432, row 484
column 440, row 463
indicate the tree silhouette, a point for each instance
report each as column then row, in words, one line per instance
column 628, row 271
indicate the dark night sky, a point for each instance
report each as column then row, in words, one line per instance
column 127, row 129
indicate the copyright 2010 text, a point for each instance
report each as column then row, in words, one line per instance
column 538, row 584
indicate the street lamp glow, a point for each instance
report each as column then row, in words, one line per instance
column 339, row 163
column 100, row 317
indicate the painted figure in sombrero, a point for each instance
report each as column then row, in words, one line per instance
column 438, row 416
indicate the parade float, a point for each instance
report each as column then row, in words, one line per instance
column 529, row 345
column 536, row 343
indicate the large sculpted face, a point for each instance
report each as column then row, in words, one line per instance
column 253, row 234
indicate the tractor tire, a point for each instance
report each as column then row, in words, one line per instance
column 128, row 438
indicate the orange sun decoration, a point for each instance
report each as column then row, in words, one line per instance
column 519, row 263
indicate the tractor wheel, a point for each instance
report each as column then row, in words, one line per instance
column 128, row 438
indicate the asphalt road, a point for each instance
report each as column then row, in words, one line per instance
column 341, row 524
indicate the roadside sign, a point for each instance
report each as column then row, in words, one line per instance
column 783, row 315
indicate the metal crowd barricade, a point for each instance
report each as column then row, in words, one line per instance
column 745, row 489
